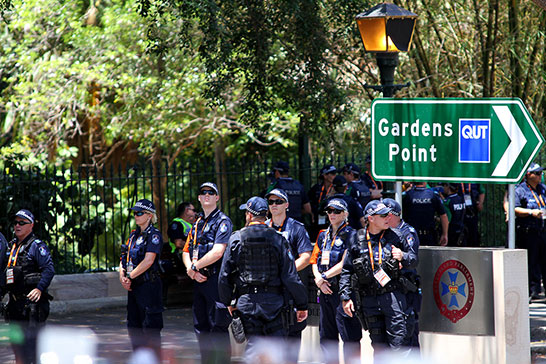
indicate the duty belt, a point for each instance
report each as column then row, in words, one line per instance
column 260, row 289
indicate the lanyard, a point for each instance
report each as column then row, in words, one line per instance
column 537, row 198
column 469, row 188
column 280, row 228
column 16, row 255
column 380, row 252
column 203, row 229
column 322, row 191
column 373, row 180
column 130, row 245
column 334, row 238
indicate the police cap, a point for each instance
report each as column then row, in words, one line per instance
column 329, row 168
column 257, row 206
column 534, row 167
column 210, row 185
column 25, row 214
column 395, row 207
column 279, row 193
column 351, row 167
column 339, row 181
column 376, row 207
column 338, row 204
column 144, row 205
column 281, row 166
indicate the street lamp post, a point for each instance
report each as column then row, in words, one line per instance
column 386, row 30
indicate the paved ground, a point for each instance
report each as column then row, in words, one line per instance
column 179, row 343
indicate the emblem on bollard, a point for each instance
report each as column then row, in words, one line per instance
column 453, row 289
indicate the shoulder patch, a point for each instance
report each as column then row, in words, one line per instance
column 155, row 239
column 410, row 240
column 43, row 251
column 223, row 227
column 174, row 226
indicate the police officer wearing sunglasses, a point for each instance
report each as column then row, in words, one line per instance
column 327, row 261
column 139, row 275
column 299, row 244
column 202, row 257
column 28, row 274
column 371, row 271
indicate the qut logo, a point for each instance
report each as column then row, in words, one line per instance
column 474, row 140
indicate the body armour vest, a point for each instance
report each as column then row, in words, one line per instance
column 259, row 263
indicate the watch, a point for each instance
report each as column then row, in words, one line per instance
column 193, row 267
column 129, row 276
column 323, row 275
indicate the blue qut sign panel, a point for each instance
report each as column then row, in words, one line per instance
column 474, row 140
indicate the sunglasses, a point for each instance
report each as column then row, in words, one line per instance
column 22, row 223
column 383, row 215
column 275, row 202
column 207, row 192
column 334, row 211
column 139, row 213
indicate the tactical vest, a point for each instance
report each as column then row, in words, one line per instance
column 259, row 262
column 26, row 273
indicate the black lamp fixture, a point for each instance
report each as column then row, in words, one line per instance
column 386, row 30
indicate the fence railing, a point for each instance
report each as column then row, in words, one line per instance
column 84, row 214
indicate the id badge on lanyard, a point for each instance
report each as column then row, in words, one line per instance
column 325, row 259
column 467, row 200
column 321, row 219
column 382, row 277
column 195, row 255
column 10, row 279
column 130, row 267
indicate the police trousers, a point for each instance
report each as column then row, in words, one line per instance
column 145, row 315
column 534, row 240
column 386, row 316
column 211, row 321
column 333, row 322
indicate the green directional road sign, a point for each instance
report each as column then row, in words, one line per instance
column 459, row 140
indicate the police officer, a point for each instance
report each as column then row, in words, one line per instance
column 298, row 199
column 318, row 194
column 257, row 267
column 411, row 282
column 298, row 242
column 454, row 203
column 28, row 273
column 376, row 187
column 327, row 260
column 420, row 205
column 356, row 213
column 202, row 257
column 474, row 196
column 372, row 262
column 356, row 188
column 139, row 275
column 171, row 256
column 530, row 233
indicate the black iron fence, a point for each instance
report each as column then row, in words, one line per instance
column 84, row 213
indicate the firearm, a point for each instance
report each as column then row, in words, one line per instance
column 392, row 268
column 237, row 328
column 31, row 310
column 358, row 301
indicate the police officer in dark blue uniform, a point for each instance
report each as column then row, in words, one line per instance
column 298, row 199
column 420, row 205
column 202, row 257
column 300, row 246
column 530, row 228
column 474, row 196
column 455, row 208
column 371, row 268
column 257, row 267
column 327, row 260
column 318, row 194
column 411, row 282
column 28, row 273
column 356, row 188
column 356, row 213
column 139, row 275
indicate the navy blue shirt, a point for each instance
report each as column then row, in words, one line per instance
column 360, row 192
column 419, row 205
column 456, row 211
column 371, row 182
column 295, row 192
column 529, row 198
column 37, row 253
column 410, row 240
column 386, row 239
column 335, row 243
column 264, row 305
column 294, row 232
column 140, row 243
column 214, row 229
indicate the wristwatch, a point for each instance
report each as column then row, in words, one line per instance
column 323, row 276
column 193, row 267
column 129, row 276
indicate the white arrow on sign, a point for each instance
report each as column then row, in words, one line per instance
column 517, row 141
